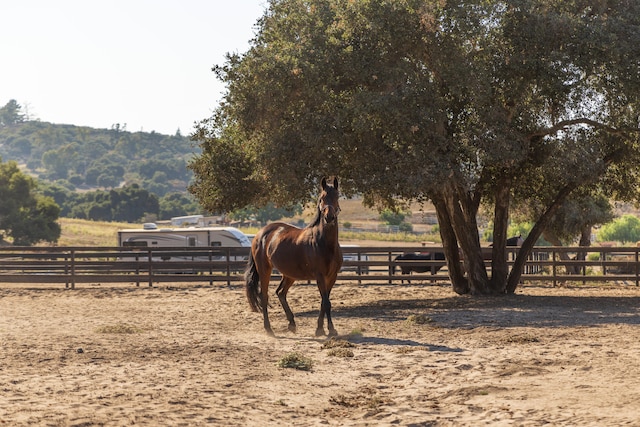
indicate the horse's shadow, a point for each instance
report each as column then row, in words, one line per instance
column 361, row 339
column 402, row 343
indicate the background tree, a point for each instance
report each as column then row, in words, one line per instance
column 460, row 102
column 625, row 229
column 11, row 113
column 26, row 216
column 38, row 223
column 177, row 204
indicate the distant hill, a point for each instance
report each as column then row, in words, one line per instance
column 83, row 158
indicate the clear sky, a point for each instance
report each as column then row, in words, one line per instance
column 143, row 63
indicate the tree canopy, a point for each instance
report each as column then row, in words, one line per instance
column 464, row 103
column 26, row 217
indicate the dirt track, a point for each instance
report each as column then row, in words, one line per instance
column 192, row 355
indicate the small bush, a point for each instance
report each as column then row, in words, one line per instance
column 296, row 361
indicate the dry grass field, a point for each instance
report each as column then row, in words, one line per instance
column 80, row 232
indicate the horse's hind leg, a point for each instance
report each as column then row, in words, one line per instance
column 265, row 276
column 282, row 290
column 265, row 313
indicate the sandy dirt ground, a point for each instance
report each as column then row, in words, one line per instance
column 408, row 355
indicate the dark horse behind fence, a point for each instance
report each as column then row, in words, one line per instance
column 407, row 267
column 417, row 266
column 310, row 253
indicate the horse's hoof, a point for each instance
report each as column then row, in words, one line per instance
column 270, row 332
column 333, row 333
column 292, row 328
column 320, row 332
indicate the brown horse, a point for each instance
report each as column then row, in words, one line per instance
column 310, row 253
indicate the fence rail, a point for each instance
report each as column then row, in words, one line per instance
column 72, row 265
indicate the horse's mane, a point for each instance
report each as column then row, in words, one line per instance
column 317, row 219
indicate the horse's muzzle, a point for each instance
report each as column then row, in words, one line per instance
column 330, row 214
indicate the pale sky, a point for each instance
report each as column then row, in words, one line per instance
column 143, row 63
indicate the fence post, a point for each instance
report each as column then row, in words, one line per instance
column 228, row 254
column 359, row 269
column 66, row 271
column 210, row 266
column 137, row 270
column 73, row 269
column 149, row 252
column 553, row 267
column 636, row 253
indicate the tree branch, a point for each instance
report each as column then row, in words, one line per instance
column 581, row 121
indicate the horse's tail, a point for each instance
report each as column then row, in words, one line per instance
column 252, row 285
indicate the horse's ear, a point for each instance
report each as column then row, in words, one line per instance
column 335, row 183
column 324, row 183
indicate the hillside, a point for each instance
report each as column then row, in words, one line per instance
column 84, row 158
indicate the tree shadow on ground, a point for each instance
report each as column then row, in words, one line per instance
column 505, row 311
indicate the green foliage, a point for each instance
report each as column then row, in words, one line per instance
column 625, row 229
column 26, row 216
column 127, row 204
column 178, row 204
column 391, row 217
column 405, row 227
column 11, row 113
column 516, row 229
column 459, row 102
column 96, row 157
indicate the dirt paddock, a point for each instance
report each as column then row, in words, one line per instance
column 408, row 355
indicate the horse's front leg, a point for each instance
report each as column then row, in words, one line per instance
column 282, row 290
column 325, row 308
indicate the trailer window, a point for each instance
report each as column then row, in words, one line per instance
column 216, row 244
column 134, row 244
column 191, row 241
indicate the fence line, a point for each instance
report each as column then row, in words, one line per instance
column 71, row 265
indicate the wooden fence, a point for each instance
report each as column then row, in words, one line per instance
column 72, row 265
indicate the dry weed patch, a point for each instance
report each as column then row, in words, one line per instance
column 296, row 361
column 419, row 319
column 340, row 352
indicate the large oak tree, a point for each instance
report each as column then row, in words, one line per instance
column 462, row 103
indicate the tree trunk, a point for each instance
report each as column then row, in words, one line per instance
column 460, row 210
column 532, row 238
column 499, row 266
column 450, row 245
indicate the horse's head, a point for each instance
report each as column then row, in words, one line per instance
column 328, row 204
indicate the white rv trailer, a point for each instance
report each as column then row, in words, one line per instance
column 200, row 237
